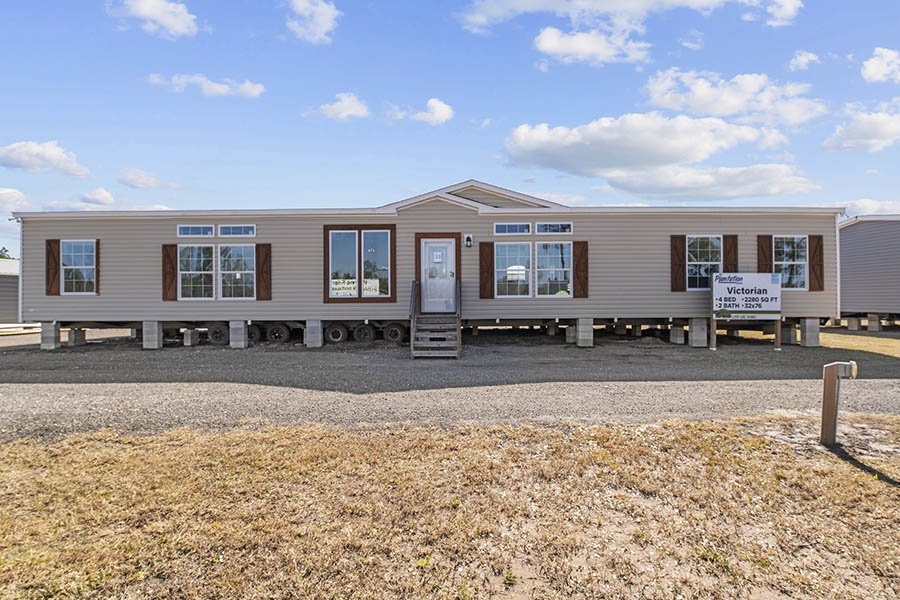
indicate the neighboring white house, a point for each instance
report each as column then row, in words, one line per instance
column 9, row 291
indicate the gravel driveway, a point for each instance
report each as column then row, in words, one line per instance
column 501, row 380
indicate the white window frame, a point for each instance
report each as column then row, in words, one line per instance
column 571, row 270
column 775, row 263
column 220, row 272
column 361, row 287
column 356, row 236
column 237, row 235
column 178, row 231
column 214, row 271
column 62, row 269
column 529, row 278
column 529, row 232
column 538, row 224
column 688, row 262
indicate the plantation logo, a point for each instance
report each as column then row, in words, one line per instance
column 729, row 278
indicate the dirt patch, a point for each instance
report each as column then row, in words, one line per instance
column 743, row 509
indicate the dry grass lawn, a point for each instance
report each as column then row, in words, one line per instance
column 743, row 509
column 886, row 344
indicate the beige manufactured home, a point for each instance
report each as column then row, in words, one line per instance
column 870, row 280
column 427, row 267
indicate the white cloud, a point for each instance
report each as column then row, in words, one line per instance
column 313, row 20
column 868, row 206
column 178, row 83
column 483, row 14
column 37, row 157
column 629, row 141
column 602, row 30
column 542, row 65
column 482, row 123
column 782, row 12
column 595, row 47
column 648, row 154
column 11, row 200
column 711, row 183
column 693, row 40
column 802, row 60
column 752, row 97
column 872, row 131
column 346, row 106
column 98, row 196
column 436, row 112
column 143, row 180
column 161, row 17
column 883, row 66
column 873, row 172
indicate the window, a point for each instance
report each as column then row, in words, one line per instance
column 512, row 264
column 704, row 259
column 359, row 261
column 343, row 282
column 376, row 260
column 790, row 258
column 195, row 272
column 237, row 230
column 237, row 272
column 195, row 230
column 550, row 228
column 554, row 269
column 512, row 228
column 79, row 266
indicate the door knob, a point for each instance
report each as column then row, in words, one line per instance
column 452, row 274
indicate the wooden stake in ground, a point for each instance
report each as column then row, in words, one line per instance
column 831, row 389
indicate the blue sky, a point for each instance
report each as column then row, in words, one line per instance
column 311, row 103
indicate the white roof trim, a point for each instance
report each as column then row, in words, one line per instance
column 482, row 210
column 854, row 220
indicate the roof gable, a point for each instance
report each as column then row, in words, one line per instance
column 479, row 194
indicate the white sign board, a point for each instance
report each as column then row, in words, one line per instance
column 747, row 296
column 343, row 287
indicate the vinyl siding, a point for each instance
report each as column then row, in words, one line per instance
column 9, row 299
column 490, row 199
column 629, row 265
column 870, row 279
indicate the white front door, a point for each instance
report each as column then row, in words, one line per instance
column 438, row 275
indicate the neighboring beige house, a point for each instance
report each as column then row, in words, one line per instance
column 9, row 291
column 870, row 280
column 465, row 255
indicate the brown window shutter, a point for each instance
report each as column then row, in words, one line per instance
column 764, row 254
column 264, row 271
column 679, row 263
column 170, row 272
column 580, row 269
column 486, row 269
column 729, row 254
column 816, row 264
column 52, row 267
column 97, row 267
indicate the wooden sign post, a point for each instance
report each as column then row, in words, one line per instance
column 832, row 374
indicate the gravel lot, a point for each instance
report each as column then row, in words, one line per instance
column 526, row 378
